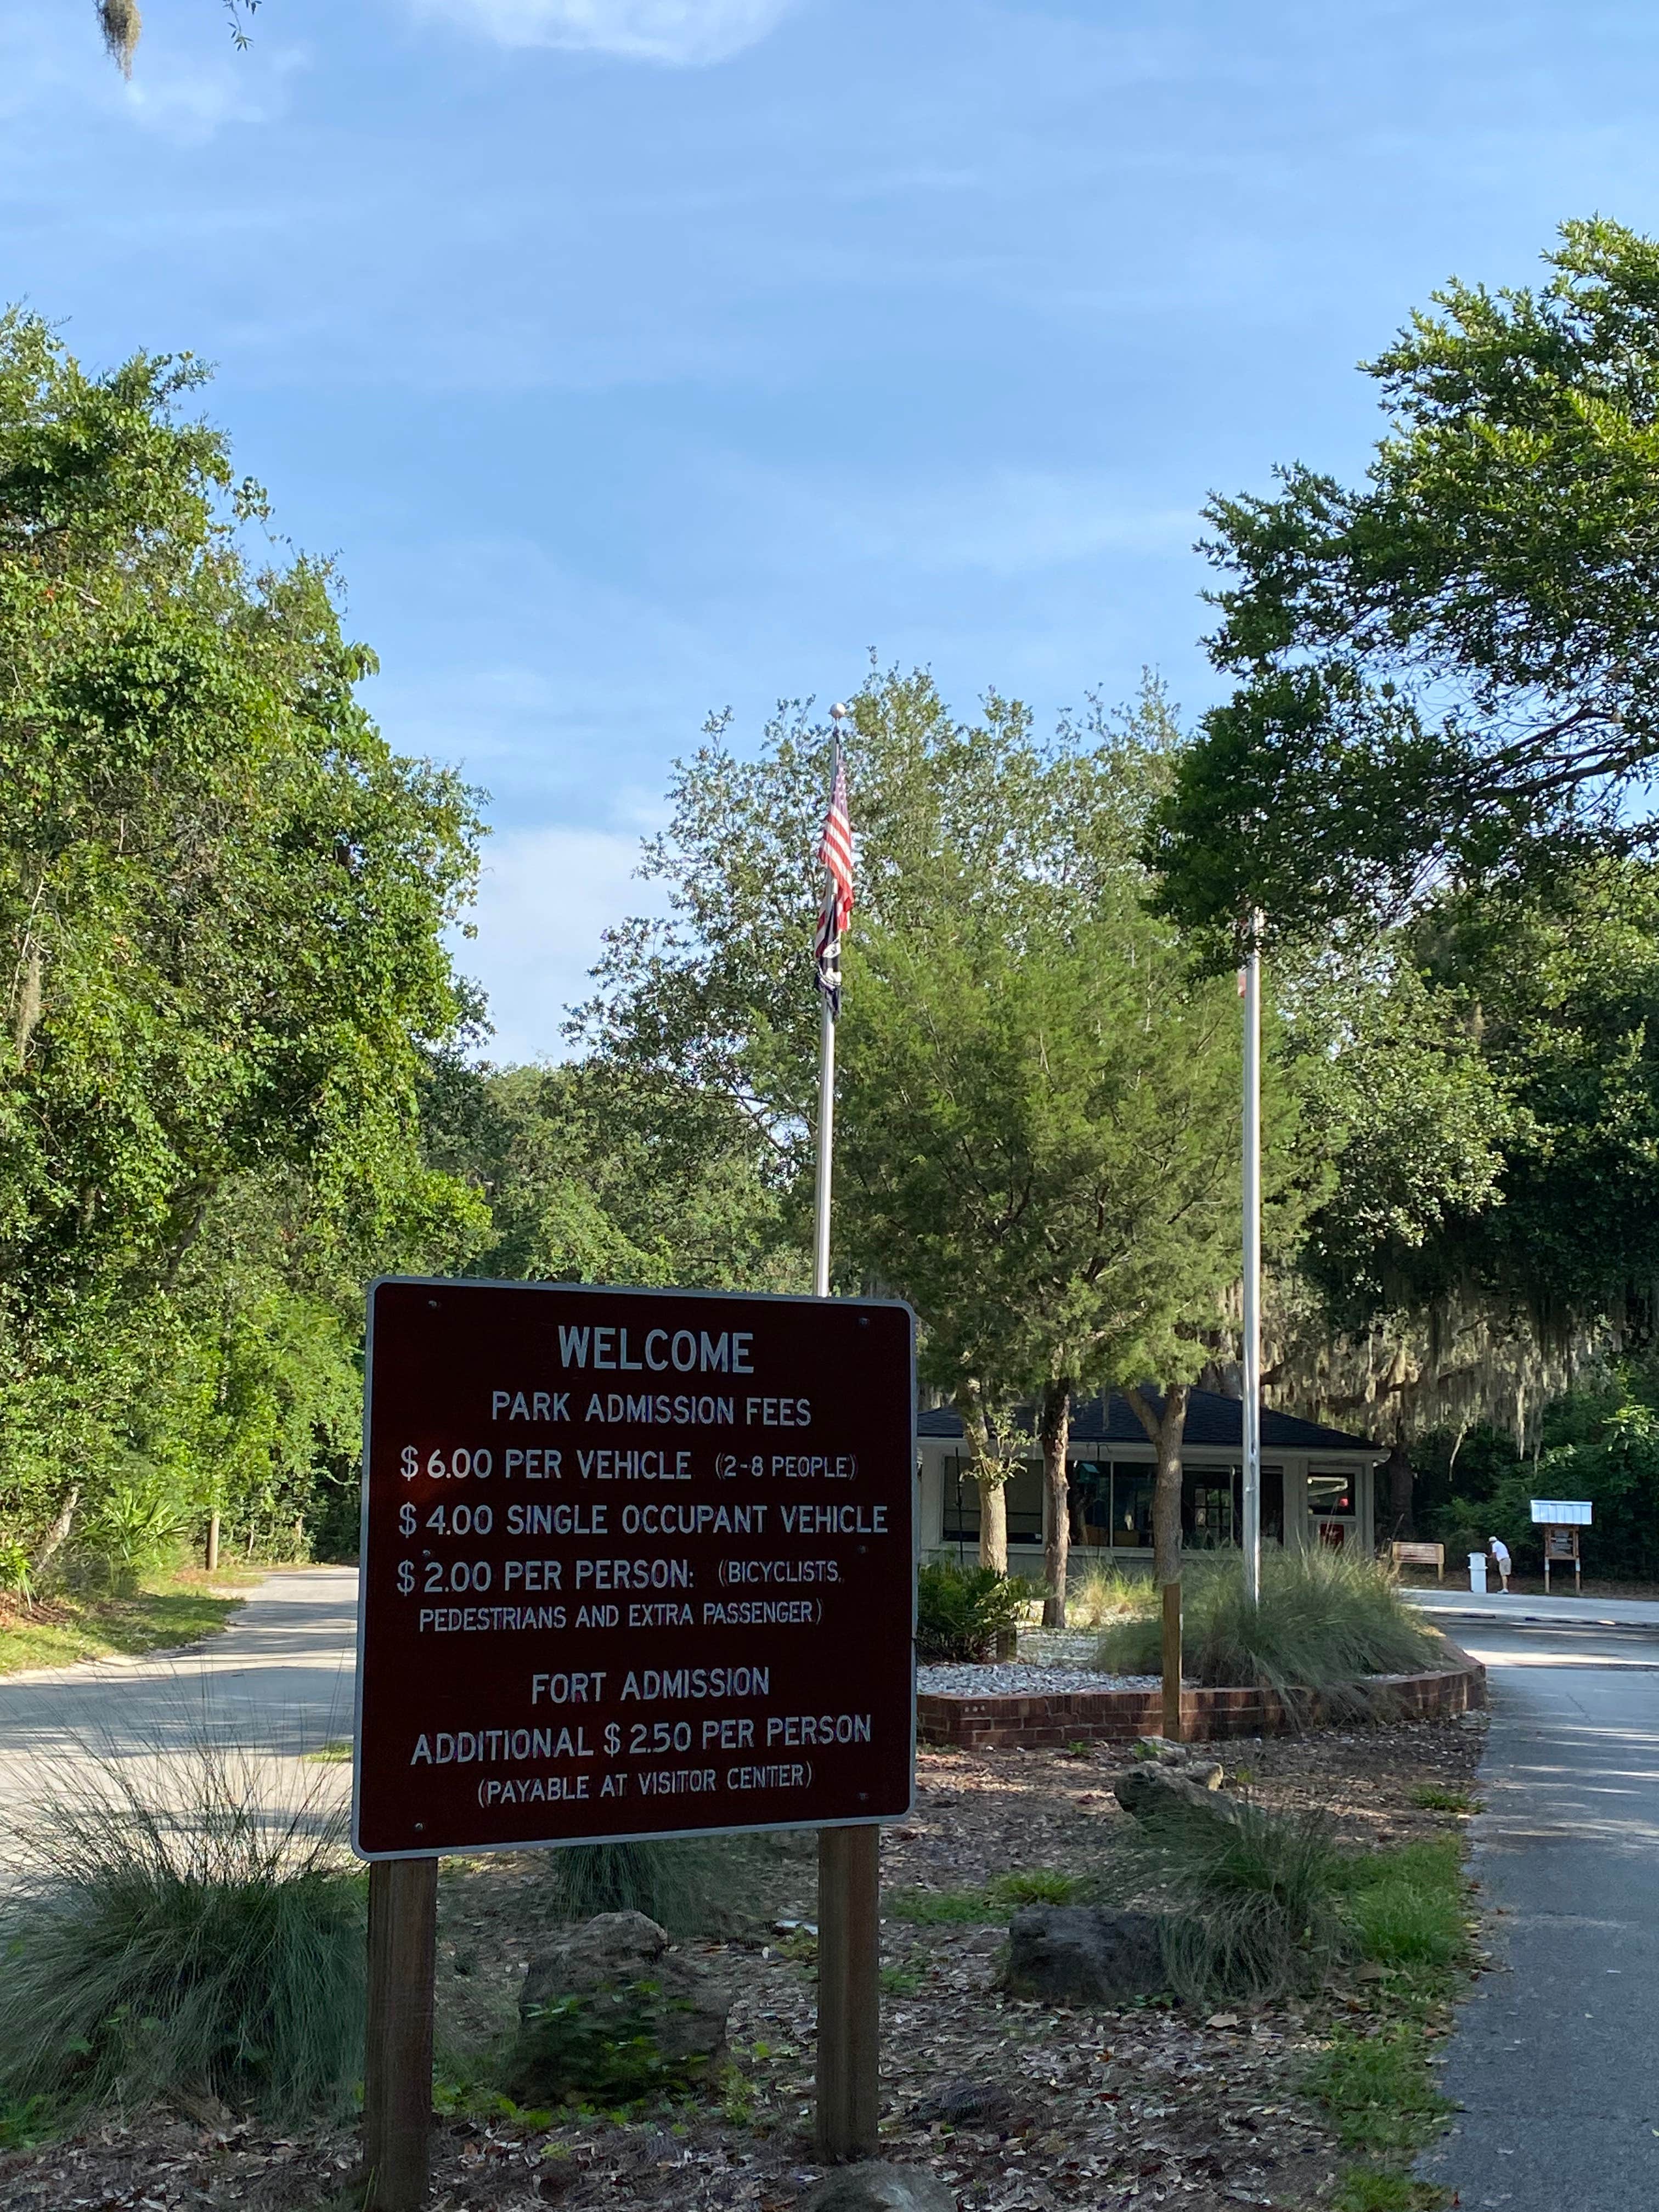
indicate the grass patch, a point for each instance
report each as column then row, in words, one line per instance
column 969, row 1908
column 1407, row 1904
column 1378, row 2088
column 941, row 1908
column 1325, row 1621
column 170, row 1933
column 1408, row 1908
column 1431, row 1797
column 167, row 1609
column 1043, row 1885
column 1372, row 2189
column 1096, row 1596
column 336, row 1753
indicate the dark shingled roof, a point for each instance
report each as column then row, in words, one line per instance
column 1212, row 1420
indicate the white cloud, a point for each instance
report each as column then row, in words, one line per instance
column 675, row 31
column 546, row 898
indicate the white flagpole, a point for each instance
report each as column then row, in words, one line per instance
column 826, row 1147
column 1252, row 1408
column 826, row 1105
column 849, row 1860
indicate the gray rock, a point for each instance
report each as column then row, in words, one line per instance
column 879, row 2187
column 1084, row 1954
column 1183, row 1758
column 612, row 1996
column 1154, row 1791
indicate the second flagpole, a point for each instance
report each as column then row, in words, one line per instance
column 826, row 1148
column 849, row 1860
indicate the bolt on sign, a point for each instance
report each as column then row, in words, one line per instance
column 634, row 1563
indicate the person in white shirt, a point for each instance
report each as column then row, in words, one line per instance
column 1500, row 1559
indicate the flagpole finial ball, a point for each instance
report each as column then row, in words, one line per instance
column 838, row 713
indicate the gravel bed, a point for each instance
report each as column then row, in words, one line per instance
column 1013, row 1680
column 1058, row 1647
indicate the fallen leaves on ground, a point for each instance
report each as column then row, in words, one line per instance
column 1148, row 2106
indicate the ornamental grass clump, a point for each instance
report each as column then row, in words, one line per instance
column 173, row 1934
column 1252, row 1905
column 1326, row 1622
column 690, row 1886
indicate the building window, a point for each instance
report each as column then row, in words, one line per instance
column 1330, row 1507
column 1091, row 1484
column 1132, row 1507
column 1330, row 1497
column 960, row 1523
column 1206, row 1509
column 1213, row 1506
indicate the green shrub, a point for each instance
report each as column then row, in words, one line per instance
column 607, row 2048
column 959, row 1610
column 16, row 1578
column 169, row 1933
column 136, row 1524
column 1325, row 1621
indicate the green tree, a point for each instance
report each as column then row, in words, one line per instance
column 1451, row 673
column 1039, row 1118
column 1041, row 1149
column 594, row 1174
column 1492, row 1091
column 223, row 899
column 715, row 997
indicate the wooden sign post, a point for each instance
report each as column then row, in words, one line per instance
column 849, row 1992
column 402, row 1944
column 635, row 1564
column 1171, row 1659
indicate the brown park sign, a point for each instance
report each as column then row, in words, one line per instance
column 634, row 1563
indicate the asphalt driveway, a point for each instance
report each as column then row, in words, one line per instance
column 1555, row 2059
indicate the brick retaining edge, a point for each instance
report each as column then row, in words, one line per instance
column 1030, row 1724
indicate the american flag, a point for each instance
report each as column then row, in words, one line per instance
column 836, row 852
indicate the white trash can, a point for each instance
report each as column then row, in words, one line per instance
column 1478, row 1573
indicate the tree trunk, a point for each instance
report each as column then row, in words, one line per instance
column 990, row 1477
column 1166, row 1436
column 57, row 1534
column 1056, row 1428
column 993, row 1524
column 1401, row 1482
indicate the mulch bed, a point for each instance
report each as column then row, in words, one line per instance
column 1149, row 2105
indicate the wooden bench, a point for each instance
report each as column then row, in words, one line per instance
column 1420, row 1555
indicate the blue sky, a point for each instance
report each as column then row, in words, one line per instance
column 643, row 357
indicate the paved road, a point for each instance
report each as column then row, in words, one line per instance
column 1603, row 1612
column 275, row 1684
column 1556, row 2058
